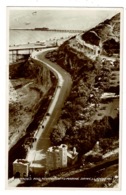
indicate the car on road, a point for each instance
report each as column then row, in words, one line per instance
column 48, row 114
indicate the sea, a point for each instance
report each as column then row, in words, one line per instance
column 18, row 37
column 53, row 19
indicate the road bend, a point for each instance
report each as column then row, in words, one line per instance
column 37, row 155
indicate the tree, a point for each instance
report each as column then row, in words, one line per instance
column 111, row 46
column 58, row 133
column 56, row 136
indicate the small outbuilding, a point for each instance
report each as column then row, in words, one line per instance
column 21, row 168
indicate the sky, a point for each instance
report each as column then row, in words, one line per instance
column 70, row 18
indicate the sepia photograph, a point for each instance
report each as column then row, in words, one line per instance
column 64, row 97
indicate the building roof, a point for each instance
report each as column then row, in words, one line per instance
column 21, row 161
column 56, row 148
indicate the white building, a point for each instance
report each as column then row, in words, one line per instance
column 59, row 157
column 21, row 168
column 56, row 157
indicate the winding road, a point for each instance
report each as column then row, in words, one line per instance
column 37, row 155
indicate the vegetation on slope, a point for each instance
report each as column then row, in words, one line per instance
column 90, row 79
column 27, row 88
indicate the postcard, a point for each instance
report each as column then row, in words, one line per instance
column 64, row 83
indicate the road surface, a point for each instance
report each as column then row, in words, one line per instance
column 37, row 154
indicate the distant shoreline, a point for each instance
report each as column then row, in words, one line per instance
column 43, row 29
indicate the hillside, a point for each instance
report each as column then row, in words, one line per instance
column 27, row 87
column 93, row 59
